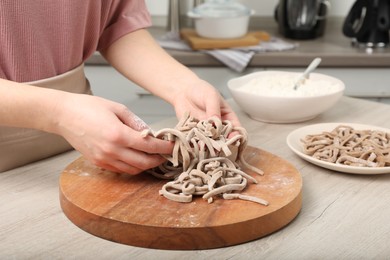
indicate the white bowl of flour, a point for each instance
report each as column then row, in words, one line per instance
column 269, row 96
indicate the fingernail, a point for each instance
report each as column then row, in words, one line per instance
column 139, row 124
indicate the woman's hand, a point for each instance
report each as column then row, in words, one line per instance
column 203, row 101
column 108, row 134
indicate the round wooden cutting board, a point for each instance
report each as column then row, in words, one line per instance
column 129, row 210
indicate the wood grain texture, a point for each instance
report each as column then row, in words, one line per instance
column 199, row 43
column 128, row 209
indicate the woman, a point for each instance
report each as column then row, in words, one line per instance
column 45, row 102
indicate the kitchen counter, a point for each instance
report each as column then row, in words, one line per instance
column 344, row 216
column 334, row 48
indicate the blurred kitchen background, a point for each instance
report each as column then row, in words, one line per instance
column 262, row 7
column 365, row 71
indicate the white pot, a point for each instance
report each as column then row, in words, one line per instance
column 220, row 27
column 221, row 19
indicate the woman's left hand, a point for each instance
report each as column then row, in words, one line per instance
column 203, row 101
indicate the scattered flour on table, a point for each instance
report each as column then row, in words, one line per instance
column 282, row 85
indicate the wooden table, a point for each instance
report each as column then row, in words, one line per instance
column 343, row 216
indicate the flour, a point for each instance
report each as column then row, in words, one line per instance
column 282, row 85
column 138, row 123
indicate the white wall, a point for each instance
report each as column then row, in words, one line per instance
column 261, row 7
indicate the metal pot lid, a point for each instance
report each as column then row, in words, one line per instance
column 221, row 8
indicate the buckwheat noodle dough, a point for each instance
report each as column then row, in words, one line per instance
column 205, row 162
column 347, row 146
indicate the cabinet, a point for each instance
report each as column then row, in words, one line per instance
column 108, row 83
column 367, row 83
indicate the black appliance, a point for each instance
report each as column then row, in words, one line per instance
column 368, row 23
column 301, row 19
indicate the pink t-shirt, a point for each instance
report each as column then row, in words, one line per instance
column 44, row 38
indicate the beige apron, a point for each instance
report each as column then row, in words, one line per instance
column 19, row 146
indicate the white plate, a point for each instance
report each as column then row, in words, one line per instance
column 294, row 142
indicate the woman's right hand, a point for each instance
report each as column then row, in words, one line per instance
column 107, row 134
